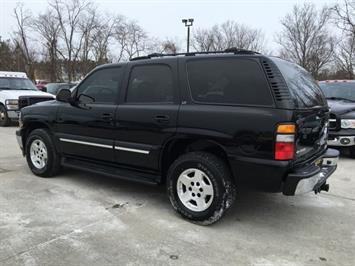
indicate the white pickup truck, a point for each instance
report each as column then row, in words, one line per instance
column 12, row 86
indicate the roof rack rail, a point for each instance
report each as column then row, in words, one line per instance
column 233, row 50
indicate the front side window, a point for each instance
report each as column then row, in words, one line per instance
column 150, row 84
column 228, row 81
column 102, row 85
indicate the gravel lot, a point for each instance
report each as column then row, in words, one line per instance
column 84, row 219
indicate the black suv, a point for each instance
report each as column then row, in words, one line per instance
column 341, row 99
column 202, row 123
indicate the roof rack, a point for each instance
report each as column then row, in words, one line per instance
column 229, row 50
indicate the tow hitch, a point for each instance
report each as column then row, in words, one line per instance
column 323, row 187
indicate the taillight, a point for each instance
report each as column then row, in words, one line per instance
column 285, row 142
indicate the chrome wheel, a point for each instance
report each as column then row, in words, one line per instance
column 195, row 190
column 38, row 153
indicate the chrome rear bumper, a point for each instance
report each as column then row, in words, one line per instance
column 342, row 141
column 312, row 177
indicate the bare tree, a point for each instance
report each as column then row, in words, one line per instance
column 227, row 35
column 345, row 16
column 90, row 21
column 24, row 21
column 103, row 36
column 345, row 56
column 131, row 38
column 120, row 35
column 48, row 28
column 136, row 41
column 305, row 38
column 344, row 19
column 69, row 15
column 8, row 56
column 241, row 36
column 169, row 46
column 204, row 40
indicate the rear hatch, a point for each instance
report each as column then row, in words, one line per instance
column 310, row 110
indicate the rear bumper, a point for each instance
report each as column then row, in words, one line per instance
column 311, row 177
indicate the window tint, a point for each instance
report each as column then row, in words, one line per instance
column 150, row 84
column 102, row 85
column 228, row 81
column 304, row 89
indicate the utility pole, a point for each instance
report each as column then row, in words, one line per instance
column 188, row 23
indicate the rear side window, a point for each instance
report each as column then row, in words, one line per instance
column 228, row 81
column 150, row 84
column 303, row 88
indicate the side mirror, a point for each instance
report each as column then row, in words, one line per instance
column 64, row 95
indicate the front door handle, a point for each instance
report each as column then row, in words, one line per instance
column 107, row 117
column 162, row 119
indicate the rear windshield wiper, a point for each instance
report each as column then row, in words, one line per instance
column 340, row 98
column 5, row 88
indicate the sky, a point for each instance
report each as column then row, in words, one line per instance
column 162, row 18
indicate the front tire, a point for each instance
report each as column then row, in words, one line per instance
column 41, row 155
column 200, row 187
column 4, row 118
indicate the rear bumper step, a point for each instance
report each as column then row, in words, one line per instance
column 312, row 177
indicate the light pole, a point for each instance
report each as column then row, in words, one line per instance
column 188, row 23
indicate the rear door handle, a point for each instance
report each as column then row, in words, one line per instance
column 163, row 119
column 107, row 117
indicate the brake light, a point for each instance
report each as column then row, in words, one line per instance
column 285, row 142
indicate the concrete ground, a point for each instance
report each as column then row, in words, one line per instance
column 85, row 219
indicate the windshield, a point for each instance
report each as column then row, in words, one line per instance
column 304, row 89
column 16, row 84
column 52, row 88
column 344, row 90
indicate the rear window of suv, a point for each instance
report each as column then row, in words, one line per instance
column 303, row 88
column 228, row 81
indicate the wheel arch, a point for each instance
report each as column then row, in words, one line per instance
column 3, row 105
column 29, row 127
column 178, row 146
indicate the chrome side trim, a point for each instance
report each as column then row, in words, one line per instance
column 131, row 150
column 87, row 143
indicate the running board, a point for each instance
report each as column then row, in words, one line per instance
column 110, row 171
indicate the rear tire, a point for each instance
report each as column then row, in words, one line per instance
column 41, row 155
column 352, row 152
column 200, row 187
column 4, row 119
